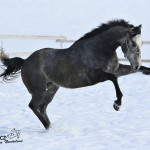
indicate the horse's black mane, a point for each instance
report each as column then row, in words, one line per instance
column 103, row 27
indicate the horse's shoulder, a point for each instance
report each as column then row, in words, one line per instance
column 113, row 63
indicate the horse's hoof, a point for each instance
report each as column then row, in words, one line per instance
column 47, row 127
column 116, row 106
column 146, row 72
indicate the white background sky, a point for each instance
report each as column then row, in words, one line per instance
column 70, row 18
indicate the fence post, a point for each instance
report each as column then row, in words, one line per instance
column 61, row 44
column 61, row 41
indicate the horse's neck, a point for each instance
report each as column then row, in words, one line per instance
column 111, row 39
column 106, row 42
column 101, row 43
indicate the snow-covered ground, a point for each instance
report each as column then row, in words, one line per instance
column 82, row 119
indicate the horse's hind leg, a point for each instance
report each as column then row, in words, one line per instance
column 39, row 103
column 34, row 105
column 47, row 98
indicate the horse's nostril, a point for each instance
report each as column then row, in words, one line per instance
column 136, row 67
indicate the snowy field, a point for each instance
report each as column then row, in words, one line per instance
column 82, row 119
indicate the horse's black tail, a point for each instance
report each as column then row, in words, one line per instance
column 11, row 66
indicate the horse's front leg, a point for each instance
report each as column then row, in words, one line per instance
column 126, row 69
column 101, row 76
column 118, row 102
column 145, row 70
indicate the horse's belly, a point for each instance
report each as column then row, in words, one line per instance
column 71, row 81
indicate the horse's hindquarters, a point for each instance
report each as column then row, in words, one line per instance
column 31, row 73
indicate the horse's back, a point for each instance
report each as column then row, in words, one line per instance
column 62, row 67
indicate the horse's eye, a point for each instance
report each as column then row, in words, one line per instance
column 134, row 44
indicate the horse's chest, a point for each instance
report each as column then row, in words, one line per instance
column 112, row 65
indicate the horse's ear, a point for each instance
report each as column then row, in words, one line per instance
column 140, row 27
column 137, row 30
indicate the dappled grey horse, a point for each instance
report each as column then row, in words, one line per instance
column 90, row 60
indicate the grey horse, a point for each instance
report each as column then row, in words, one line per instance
column 90, row 60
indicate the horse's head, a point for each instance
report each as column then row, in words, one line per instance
column 131, row 47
